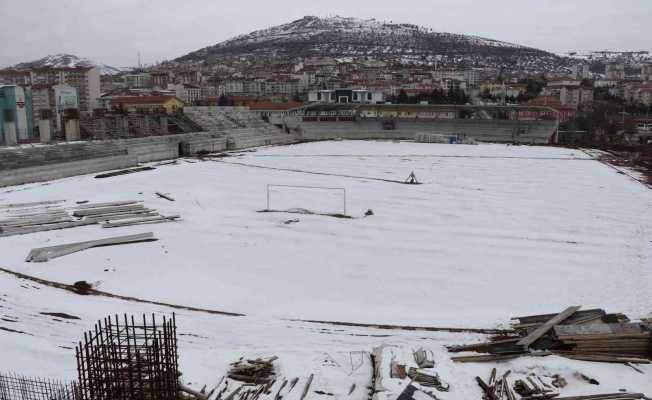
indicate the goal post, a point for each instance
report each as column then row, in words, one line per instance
column 318, row 199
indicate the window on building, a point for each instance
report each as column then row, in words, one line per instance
column 318, row 96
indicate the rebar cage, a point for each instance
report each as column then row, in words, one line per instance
column 18, row 387
column 125, row 360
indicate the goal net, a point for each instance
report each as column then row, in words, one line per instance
column 309, row 199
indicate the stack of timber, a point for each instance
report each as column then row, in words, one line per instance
column 121, row 213
column 25, row 218
column 590, row 335
column 256, row 371
column 615, row 342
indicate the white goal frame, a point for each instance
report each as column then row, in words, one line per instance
column 343, row 190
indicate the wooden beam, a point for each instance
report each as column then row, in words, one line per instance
column 543, row 329
column 498, row 357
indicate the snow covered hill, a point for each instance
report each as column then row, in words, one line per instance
column 341, row 37
column 66, row 61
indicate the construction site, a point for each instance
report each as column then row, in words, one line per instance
column 255, row 260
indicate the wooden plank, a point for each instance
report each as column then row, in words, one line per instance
column 597, row 329
column 607, row 359
column 543, row 329
column 43, row 228
column 305, row 390
column 486, row 389
column 109, row 204
column 123, row 172
column 498, row 357
column 141, row 221
column 164, row 196
column 124, row 216
column 607, row 396
column 105, row 210
column 32, row 204
column 578, row 316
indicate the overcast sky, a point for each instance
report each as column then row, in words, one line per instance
column 114, row 31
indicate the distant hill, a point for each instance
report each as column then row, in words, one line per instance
column 345, row 37
column 65, row 61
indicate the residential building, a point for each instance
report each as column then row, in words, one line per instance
column 85, row 79
column 15, row 77
column 140, row 80
column 362, row 96
column 187, row 93
column 571, row 93
column 646, row 72
column 470, row 77
column 160, row 80
column 565, row 113
column 581, row 71
column 16, row 122
column 53, row 101
column 615, row 71
column 147, row 104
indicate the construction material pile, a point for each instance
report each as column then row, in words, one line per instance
column 256, row 371
column 25, row 218
column 121, row 213
column 590, row 335
column 529, row 387
column 533, row 386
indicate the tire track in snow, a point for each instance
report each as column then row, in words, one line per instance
column 94, row 292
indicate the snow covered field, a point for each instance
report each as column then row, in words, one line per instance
column 492, row 232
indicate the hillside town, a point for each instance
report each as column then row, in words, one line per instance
column 599, row 97
column 333, row 208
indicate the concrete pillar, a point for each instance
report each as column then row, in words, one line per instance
column 72, row 130
column 164, row 125
column 10, row 133
column 45, row 130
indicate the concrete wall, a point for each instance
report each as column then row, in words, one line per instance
column 65, row 169
column 538, row 132
column 27, row 164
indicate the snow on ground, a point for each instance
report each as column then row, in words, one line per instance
column 338, row 356
column 494, row 231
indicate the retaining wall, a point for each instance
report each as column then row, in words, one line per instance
column 65, row 169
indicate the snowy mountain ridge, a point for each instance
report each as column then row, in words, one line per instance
column 311, row 26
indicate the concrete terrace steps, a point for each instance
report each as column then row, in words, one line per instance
column 502, row 131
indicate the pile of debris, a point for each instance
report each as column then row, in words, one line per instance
column 590, row 335
column 25, row 218
column 422, row 378
column 256, row 371
column 533, row 386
